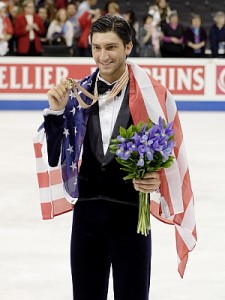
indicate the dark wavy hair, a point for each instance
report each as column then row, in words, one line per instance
column 112, row 23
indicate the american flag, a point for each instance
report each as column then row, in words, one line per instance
column 147, row 99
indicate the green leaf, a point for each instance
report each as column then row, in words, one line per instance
column 139, row 126
column 115, row 141
column 130, row 132
column 130, row 176
column 149, row 124
column 123, row 132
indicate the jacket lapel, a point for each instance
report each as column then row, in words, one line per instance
column 95, row 134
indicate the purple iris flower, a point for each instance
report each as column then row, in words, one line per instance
column 140, row 162
column 120, row 138
column 147, row 142
column 124, row 155
column 136, row 137
column 167, row 150
column 169, row 129
column 131, row 146
column 149, row 155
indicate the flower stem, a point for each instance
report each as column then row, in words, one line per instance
column 144, row 225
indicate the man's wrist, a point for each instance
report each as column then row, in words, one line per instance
column 48, row 111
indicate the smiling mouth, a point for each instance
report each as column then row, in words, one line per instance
column 106, row 65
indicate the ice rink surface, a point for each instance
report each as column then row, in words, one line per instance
column 34, row 254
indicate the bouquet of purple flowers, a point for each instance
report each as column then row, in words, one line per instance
column 142, row 149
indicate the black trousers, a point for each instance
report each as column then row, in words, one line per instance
column 104, row 234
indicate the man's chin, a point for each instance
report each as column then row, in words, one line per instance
column 106, row 72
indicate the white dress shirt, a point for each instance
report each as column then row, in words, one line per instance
column 108, row 112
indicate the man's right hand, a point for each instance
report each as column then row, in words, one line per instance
column 58, row 95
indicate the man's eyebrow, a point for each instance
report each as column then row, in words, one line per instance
column 109, row 44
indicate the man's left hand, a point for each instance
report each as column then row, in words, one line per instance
column 148, row 184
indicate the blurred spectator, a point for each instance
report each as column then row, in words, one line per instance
column 173, row 37
column 217, row 35
column 129, row 16
column 43, row 13
column 160, row 12
column 85, row 22
column 49, row 5
column 106, row 8
column 60, row 30
column 13, row 11
column 28, row 28
column 6, row 30
column 72, row 17
column 71, row 14
column 195, row 38
column 112, row 8
column 85, row 6
column 62, row 3
column 149, row 38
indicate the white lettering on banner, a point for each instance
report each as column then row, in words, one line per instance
column 61, row 72
column 160, row 74
column 184, row 79
column 2, row 77
column 179, row 78
column 47, row 77
column 25, row 75
column 199, row 79
column 221, row 81
column 30, row 77
column 37, row 78
column 13, row 76
column 171, row 85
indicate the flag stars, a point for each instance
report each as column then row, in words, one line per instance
column 66, row 132
column 79, row 106
column 70, row 149
column 73, row 166
column 75, row 131
column 73, row 110
column 72, row 94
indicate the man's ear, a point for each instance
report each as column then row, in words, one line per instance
column 128, row 48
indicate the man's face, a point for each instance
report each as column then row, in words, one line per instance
column 110, row 54
column 71, row 10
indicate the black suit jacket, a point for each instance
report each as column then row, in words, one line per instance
column 100, row 176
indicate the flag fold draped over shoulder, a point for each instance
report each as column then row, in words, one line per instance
column 147, row 99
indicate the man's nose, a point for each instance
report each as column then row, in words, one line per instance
column 104, row 55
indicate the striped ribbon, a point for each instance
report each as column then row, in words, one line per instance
column 120, row 84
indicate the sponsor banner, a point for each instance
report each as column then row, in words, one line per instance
column 220, row 80
column 180, row 80
column 192, row 80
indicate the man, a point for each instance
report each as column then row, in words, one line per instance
column 71, row 14
column 217, row 35
column 106, row 213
